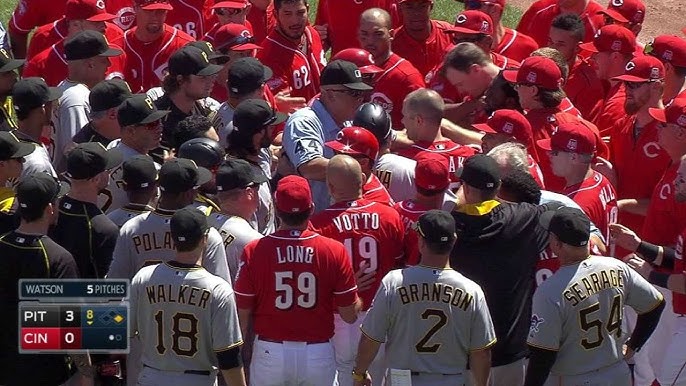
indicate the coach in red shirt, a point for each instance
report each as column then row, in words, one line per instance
column 536, row 21
column 627, row 13
column 339, row 30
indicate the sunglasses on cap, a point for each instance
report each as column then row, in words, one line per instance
column 237, row 41
column 227, row 11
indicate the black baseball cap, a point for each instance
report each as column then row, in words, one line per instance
column 188, row 226
column 344, row 73
column 32, row 92
column 207, row 48
column 108, row 94
column 88, row 44
column 39, row 189
column 570, row 225
column 181, row 175
column 436, row 226
column 139, row 172
column 254, row 114
column 89, row 159
column 7, row 63
column 11, row 147
column 247, row 75
column 139, row 110
column 189, row 60
column 236, row 173
column 480, row 171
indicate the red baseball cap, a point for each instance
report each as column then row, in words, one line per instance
column 668, row 48
column 538, row 71
column 509, row 122
column 675, row 113
column 233, row 4
column 644, row 68
column 612, row 38
column 625, row 11
column 432, row 171
column 570, row 137
column 473, row 4
column 417, row 1
column 293, row 195
column 361, row 58
column 473, row 22
column 355, row 140
column 91, row 10
column 235, row 37
column 154, row 5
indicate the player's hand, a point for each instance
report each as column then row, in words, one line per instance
column 364, row 280
column 323, row 31
column 285, row 167
column 605, row 168
column 366, row 382
column 628, row 352
column 639, row 265
column 624, row 237
column 464, row 113
column 284, row 101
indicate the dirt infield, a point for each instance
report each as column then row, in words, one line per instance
column 662, row 16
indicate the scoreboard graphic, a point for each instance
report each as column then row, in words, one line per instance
column 77, row 316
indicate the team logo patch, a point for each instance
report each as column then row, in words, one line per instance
column 532, row 77
column 681, row 121
column 616, row 45
column 125, row 18
column 460, row 19
column 667, row 55
column 383, row 101
column 536, row 322
column 654, row 73
column 572, row 144
column 507, row 128
column 485, row 27
column 358, row 74
column 630, row 66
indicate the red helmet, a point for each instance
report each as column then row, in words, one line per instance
column 355, row 140
column 361, row 58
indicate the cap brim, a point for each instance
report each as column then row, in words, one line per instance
column 157, row 6
column 154, row 116
column 485, row 128
column 359, row 86
column 204, row 176
column 280, row 118
column 630, row 78
column 245, row 47
column 545, row 144
column 102, row 17
column 463, row 30
column 114, row 158
column 588, row 47
column 510, row 75
column 24, row 150
column 112, row 52
column 545, row 218
column 210, row 70
column 658, row 114
column 268, row 73
column 613, row 14
column 371, row 69
column 259, row 178
column 339, row 147
column 230, row 4
column 12, row 65
column 54, row 94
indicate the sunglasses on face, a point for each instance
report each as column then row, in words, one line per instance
column 152, row 125
column 518, row 85
column 352, row 93
column 636, row 85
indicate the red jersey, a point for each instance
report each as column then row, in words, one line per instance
column 426, row 54
column 516, row 45
column 262, row 21
column 666, row 217
column 191, row 16
column 123, row 10
column 678, row 299
column 639, row 162
column 51, row 65
column 210, row 35
column 293, row 68
column 49, row 34
column 295, row 278
column 456, row 154
column 598, row 199
column 584, row 88
column 535, row 171
column 410, row 211
column 29, row 14
column 610, row 109
column 536, row 21
column 343, row 30
column 371, row 233
column 399, row 78
column 547, row 264
column 146, row 63
column 375, row 191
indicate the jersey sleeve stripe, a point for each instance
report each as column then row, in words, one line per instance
column 368, row 336
column 543, row 347
column 242, row 294
column 239, row 343
column 346, row 291
column 488, row 345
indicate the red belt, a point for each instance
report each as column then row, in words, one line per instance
column 281, row 341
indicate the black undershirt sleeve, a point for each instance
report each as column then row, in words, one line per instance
column 540, row 363
column 230, row 359
column 645, row 325
column 650, row 251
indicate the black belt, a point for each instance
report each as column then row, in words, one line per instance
column 193, row 372
column 415, row 373
column 281, row 341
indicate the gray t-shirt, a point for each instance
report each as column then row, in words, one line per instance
column 69, row 115
column 578, row 312
column 430, row 319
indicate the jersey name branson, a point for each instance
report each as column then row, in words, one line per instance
column 435, row 292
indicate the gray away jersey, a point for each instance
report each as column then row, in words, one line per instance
column 146, row 240
column 578, row 312
column 236, row 233
column 114, row 196
column 69, row 115
column 184, row 316
column 430, row 319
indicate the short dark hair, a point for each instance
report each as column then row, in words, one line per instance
column 194, row 126
column 32, row 212
column 571, row 22
column 279, row 3
column 550, row 98
column 239, row 142
column 293, row 219
column 439, row 248
column 464, row 55
column 520, row 186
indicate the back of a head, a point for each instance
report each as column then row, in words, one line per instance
column 427, row 103
column 344, row 173
column 520, row 186
column 510, row 157
column 556, row 56
column 464, row 55
column 571, row 23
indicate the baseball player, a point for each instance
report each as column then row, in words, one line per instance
column 373, row 235
column 139, row 181
column 27, row 15
column 399, row 77
column 184, row 316
column 535, row 22
column 432, row 319
column 207, row 153
column 627, row 13
column 104, row 99
column 149, row 45
column 228, row 12
column 576, row 323
column 192, row 17
column 293, row 50
column 8, row 77
column 340, row 32
column 363, row 60
column 298, row 278
column 671, row 50
column 12, row 153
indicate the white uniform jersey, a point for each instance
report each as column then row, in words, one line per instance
column 120, row 216
column 223, row 122
column 184, row 315
column 4, row 41
column 114, row 196
column 264, row 219
column 430, row 319
column 236, row 233
column 37, row 161
column 578, row 312
column 146, row 240
column 69, row 115
column 397, row 175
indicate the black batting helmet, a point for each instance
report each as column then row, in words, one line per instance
column 375, row 119
column 203, row 151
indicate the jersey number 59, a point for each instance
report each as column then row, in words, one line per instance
column 304, row 294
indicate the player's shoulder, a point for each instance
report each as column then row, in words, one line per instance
column 541, row 6
column 177, row 35
column 442, row 25
column 144, row 274
column 134, row 225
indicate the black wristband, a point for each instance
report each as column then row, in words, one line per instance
column 648, row 251
column 660, row 279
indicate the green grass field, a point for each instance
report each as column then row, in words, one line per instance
column 443, row 10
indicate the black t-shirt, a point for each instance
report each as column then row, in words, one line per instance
column 171, row 120
column 88, row 134
column 6, row 123
column 24, row 256
column 85, row 231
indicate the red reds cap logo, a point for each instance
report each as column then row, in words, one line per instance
column 339, row 136
column 485, row 26
column 100, row 4
column 654, row 73
column 681, row 121
column 616, row 45
column 532, row 77
column 630, row 66
column 572, row 144
column 507, row 128
column 617, row 3
column 460, row 19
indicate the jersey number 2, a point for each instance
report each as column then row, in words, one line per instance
column 614, row 323
column 191, row 333
column 422, row 346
